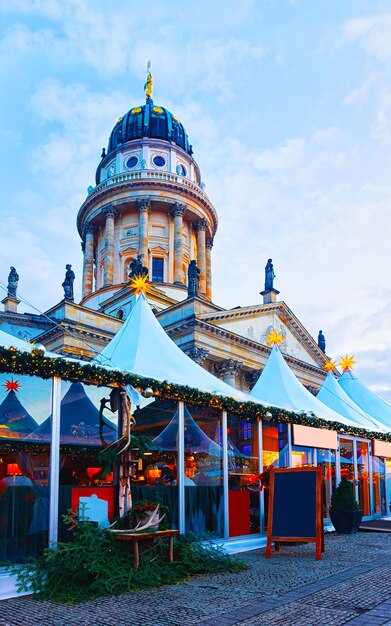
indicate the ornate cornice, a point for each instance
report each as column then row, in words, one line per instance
column 232, row 338
column 124, row 183
column 286, row 316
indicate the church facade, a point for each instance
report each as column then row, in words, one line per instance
column 149, row 212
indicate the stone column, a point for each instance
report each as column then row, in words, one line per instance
column 209, row 246
column 110, row 214
column 228, row 370
column 200, row 227
column 88, row 262
column 177, row 213
column 144, row 208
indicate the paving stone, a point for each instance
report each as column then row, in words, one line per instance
column 347, row 586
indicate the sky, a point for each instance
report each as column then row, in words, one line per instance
column 287, row 104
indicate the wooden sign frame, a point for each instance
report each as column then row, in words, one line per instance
column 318, row 539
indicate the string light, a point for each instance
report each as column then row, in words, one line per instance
column 13, row 361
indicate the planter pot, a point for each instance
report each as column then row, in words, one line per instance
column 346, row 522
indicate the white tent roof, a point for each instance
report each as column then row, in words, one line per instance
column 332, row 394
column 366, row 399
column 279, row 386
column 142, row 347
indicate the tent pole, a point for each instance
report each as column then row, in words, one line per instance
column 54, row 475
column 181, row 465
column 225, row 472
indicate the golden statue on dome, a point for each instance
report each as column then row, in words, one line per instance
column 148, row 87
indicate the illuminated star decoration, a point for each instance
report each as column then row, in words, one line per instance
column 274, row 338
column 330, row 366
column 139, row 284
column 347, row 362
column 11, row 385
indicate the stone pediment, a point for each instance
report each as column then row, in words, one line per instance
column 255, row 322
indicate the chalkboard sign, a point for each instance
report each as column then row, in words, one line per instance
column 295, row 508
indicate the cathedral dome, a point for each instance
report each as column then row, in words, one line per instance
column 151, row 121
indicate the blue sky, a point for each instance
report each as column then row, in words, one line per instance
column 288, row 107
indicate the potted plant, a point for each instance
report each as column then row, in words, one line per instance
column 345, row 513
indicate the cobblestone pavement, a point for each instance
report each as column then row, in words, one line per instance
column 350, row 585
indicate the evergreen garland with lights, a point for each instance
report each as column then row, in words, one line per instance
column 37, row 364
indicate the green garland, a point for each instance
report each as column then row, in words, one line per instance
column 36, row 364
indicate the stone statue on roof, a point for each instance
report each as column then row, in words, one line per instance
column 269, row 275
column 13, row 279
column 137, row 268
column 193, row 279
column 68, row 283
column 322, row 341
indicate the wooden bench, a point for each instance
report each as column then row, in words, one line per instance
column 135, row 538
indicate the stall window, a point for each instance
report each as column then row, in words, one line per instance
column 25, row 404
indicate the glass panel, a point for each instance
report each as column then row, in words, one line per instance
column 275, row 452
column 275, row 445
column 204, row 510
column 83, row 434
column 346, row 457
column 363, row 477
column 379, row 487
column 243, row 455
column 25, row 402
column 326, row 460
column 155, row 477
column 302, row 456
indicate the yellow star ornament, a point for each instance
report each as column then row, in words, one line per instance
column 274, row 338
column 139, row 284
column 330, row 366
column 347, row 362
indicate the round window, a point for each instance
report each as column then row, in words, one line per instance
column 159, row 161
column 132, row 162
column 181, row 170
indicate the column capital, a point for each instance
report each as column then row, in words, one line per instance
column 89, row 229
column 144, row 204
column 110, row 211
column 198, row 355
column 209, row 242
column 178, row 209
column 252, row 377
column 230, row 366
column 200, row 225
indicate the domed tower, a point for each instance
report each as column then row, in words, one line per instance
column 148, row 201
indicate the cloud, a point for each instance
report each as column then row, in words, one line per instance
column 373, row 33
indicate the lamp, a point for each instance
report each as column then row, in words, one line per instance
column 13, row 469
column 93, row 471
column 153, row 472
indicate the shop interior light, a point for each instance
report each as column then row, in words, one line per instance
column 13, row 469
